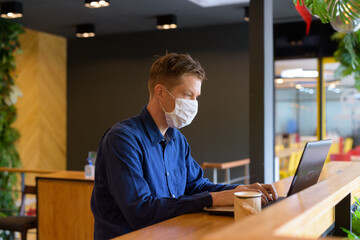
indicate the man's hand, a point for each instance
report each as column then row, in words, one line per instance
column 226, row 197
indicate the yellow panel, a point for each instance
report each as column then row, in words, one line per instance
column 328, row 60
column 323, row 99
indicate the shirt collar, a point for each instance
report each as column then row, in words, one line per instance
column 152, row 128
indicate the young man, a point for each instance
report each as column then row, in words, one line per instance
column 144, row 169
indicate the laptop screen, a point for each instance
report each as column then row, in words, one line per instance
column 310, row 166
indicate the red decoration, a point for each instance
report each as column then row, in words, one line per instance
column 305, row 14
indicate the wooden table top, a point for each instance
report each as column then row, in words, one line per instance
column 226, row 165
column 275, row 222
column 22, row 170
column 66, row 175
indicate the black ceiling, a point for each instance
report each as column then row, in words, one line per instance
column 61, row 16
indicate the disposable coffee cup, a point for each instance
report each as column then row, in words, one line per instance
column 246, row 204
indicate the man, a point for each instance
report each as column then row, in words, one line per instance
column 144, row 169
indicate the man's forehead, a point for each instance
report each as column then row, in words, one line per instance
column 194, row 87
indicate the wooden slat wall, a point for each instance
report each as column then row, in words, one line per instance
column 41, row 119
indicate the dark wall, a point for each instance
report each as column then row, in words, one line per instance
column 107, row 82
column 290, row 40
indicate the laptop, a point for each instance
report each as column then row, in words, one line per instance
column 307, row 173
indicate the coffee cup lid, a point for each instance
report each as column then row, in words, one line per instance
column 247, row 194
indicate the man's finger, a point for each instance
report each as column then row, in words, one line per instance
column 263, row 190
column 271, row 189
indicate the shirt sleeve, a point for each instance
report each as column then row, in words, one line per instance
column 196, row 183
column 131, row 192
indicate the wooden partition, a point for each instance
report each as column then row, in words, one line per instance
column 64, row 206
column 41, row 77
column 305, row 215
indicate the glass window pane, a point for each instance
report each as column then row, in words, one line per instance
column 342, row 112
column 295, row 111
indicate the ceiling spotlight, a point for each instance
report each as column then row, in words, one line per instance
column 96, row 3
column 299, row 73
column 298, row 86
column 85, row 30
column 214, row 3
column 11, row 10
column 166, row 22
column 246, row 14
column 332, row 86
column 279, row 81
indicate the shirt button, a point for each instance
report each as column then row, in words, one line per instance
column 173, row 196
column 167, row 173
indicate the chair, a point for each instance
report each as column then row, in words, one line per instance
column 227, row 166
column 348, row 144
column 20, row 223
column 292, row 165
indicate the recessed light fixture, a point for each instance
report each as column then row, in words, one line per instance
column 214, row 3
column 11, row 10
column 246, row 14
column 279, row 81
column 85, row 30
column 166, row 22
column 332, row 85
column 96, row 3
column 299, row 73
column 298, row 86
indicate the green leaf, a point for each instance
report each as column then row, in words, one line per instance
column 356, row 227
column 351, row 235
column 9, row 45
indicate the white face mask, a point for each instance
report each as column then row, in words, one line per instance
column 184, row 112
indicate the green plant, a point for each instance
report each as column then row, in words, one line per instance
column 348, row 54
column 9, row 157
column 327, row 10
column 355, row 233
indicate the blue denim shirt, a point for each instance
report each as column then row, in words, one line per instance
column 142, row 178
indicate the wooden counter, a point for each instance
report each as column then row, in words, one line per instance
column 189, row 226
column 64, row 206
column 305, row 215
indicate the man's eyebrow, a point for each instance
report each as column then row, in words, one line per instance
column 192, row 92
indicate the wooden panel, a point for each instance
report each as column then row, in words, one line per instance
column 64, row 209
column 188, row 226
column 317, row 226
column 52, row 88
column 42, row 109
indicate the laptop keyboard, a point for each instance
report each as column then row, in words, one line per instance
column 272, row 202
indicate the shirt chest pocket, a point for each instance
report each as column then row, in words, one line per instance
column 178, row 180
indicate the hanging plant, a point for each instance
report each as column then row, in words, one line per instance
column 9, row 157
column 329, row 10
column 348, row 55
column 344, row 17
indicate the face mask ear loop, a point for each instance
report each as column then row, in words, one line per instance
column 170, row 93
column 162, row 106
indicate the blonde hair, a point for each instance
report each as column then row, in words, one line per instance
column 169, row 69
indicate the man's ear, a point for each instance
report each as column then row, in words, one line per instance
column 159, row 91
